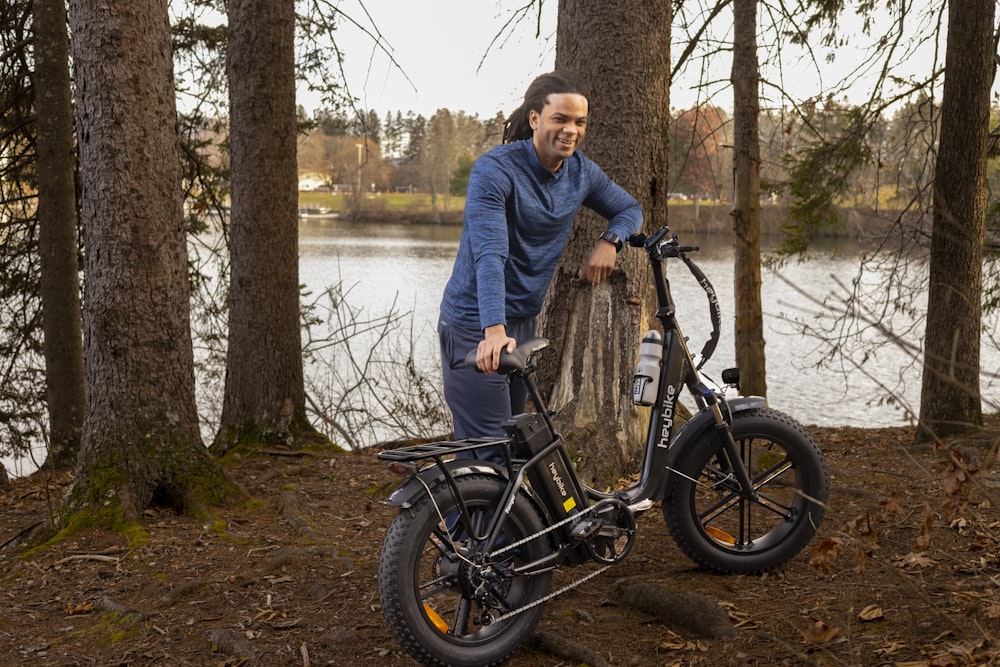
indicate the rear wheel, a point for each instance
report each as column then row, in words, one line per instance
column 721, row 529
column 445, row 600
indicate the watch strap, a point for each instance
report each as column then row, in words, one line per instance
column 613, row 239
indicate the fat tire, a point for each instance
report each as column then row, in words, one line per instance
column 711, row 537
column 412, row 543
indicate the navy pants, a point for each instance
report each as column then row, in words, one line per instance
column 479, row 403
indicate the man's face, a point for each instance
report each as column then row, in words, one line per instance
column 559, row 128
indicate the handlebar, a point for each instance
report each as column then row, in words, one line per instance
column 659, row 247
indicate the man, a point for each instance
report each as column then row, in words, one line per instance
column 520, row 204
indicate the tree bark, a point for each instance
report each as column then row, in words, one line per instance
column 264, row 394
column 749, row 320
column 950, row 400
column 620, row 52
column 140, row 439
column 57, row 241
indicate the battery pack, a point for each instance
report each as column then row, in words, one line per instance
column 552, row 477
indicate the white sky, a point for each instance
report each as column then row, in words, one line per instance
column 439, row 45
column 444, row 50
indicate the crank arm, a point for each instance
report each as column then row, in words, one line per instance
column 540, row 566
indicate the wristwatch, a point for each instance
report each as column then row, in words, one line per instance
column 613, row 239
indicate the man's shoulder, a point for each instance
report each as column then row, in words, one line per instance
column 581, row 158
column 504, row 152
column 507, row 159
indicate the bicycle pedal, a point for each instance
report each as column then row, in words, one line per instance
column 586, row 529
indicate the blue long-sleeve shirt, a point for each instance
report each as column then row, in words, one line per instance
column 518, row 216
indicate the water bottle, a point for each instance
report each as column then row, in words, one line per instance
column 647, row 374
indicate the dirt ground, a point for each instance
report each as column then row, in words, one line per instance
column 904, row 571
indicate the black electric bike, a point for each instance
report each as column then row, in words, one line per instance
column 466, row 566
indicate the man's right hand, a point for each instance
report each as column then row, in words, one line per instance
column 495, row 340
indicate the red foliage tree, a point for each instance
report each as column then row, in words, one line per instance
column 695, row 137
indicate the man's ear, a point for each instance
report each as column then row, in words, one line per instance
column 533, row 119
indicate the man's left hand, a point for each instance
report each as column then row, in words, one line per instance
column 600, row 263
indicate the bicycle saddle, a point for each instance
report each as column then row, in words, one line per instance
column 516, row 360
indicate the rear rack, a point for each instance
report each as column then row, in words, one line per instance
column 437, row 449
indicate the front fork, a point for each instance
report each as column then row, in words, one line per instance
column 724, row 432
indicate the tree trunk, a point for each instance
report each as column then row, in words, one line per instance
column 57, row 244
column 950, row 401
column 264, row 394
column 140, row 439
column 620, row 53
column 749, row 321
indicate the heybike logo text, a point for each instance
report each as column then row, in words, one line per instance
column 668, row 417
column 557, row 478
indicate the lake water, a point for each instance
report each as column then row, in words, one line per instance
column 409, row 264
column 405, row 267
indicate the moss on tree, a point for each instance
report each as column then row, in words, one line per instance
column 297, row 433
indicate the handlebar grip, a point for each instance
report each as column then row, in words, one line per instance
column 515, row 361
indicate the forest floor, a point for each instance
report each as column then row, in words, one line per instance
column 905, row 571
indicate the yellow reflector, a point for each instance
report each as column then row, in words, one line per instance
column 436, row 619
column 720, row 535
column 569, row 504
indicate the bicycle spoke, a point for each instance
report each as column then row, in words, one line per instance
column 462, row 613
column 733, row 518
column 771, row 474
column 439, row 585
column 773, row 505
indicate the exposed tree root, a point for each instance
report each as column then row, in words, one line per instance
column 230, row 642
column 131, row 616
column 569, row 650
column 288, row 505
column 690, row 612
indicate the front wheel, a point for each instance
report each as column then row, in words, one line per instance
column 722, row 529
column 445, row 600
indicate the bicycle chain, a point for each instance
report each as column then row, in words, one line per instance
column 525, row 540
column 549, row 529
column 571, row 585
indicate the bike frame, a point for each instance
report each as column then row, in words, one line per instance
column 678, row 370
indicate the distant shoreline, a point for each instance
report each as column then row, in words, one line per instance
column 683, row 217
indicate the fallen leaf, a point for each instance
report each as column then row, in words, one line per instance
column 926, row 529
column 82, row 608
column 825, row 554
column 916, row 560
column 871, row 613
column 819, row 633
column 891, row 506
column 891, row 648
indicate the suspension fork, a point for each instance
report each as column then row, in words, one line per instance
column 725, row 434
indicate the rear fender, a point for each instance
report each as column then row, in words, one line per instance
column 415, row 487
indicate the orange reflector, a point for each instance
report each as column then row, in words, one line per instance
column 720, row 535
column 436, row 619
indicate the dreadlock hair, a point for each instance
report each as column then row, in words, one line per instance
column 518, row 124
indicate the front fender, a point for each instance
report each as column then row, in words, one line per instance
column 409, row 492
column 702, row 422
